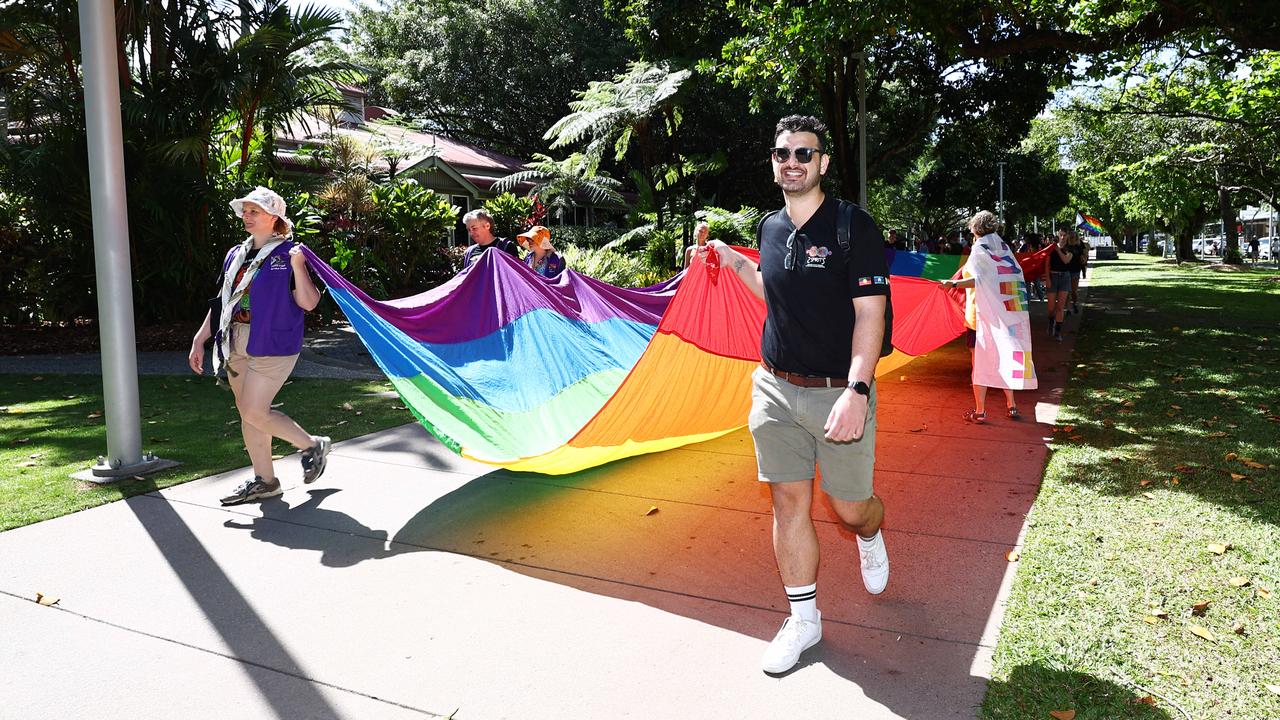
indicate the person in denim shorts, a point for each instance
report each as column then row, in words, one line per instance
column 813, row 398
column 1060, row 262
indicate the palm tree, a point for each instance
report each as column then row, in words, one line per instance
column 638, row 107
column 278, row 83
column 558, row 183
column 618, row 111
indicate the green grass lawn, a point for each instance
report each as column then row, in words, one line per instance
column 52, row 426
column 1149, row 585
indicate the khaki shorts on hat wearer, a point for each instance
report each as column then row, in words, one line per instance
column 274, row 367
column 786, row 422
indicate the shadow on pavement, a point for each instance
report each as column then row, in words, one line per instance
column 230, row 613
column 277, row 515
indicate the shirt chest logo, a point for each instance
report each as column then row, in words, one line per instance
column 816, row 256
column 277, row 262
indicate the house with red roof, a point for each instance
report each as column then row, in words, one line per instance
column 462, row 171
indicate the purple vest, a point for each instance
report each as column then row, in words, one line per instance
column 275, row 320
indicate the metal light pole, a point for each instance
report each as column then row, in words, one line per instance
column 111, row 247
column 1001, row 201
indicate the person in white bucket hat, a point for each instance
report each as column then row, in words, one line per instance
column 256, row 322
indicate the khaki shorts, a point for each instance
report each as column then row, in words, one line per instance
column 786, row 422
column 274, row 367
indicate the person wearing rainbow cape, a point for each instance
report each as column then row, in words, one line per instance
column 996, row 314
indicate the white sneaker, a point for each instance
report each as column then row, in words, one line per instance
column 875, row 563
column 795, row 637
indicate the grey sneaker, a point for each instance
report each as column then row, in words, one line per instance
column 250, row 490
column 314, row 458
column 795, row 637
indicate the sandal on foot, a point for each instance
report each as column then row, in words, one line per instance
column 975, row 417
column 1014, row 414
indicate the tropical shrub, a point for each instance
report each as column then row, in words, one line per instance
column 512, row 214
column 587, row 237
column 416, row 222
column 610, row 266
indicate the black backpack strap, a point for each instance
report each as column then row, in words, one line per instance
column 844, row 225
column 844, row 220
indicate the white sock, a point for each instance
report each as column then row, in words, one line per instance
column 868, row 543
column 804, row 601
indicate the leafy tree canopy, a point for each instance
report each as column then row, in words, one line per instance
column 496, row 72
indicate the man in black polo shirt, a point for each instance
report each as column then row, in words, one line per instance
column 813, row 398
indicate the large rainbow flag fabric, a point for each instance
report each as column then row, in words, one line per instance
column 557, row 375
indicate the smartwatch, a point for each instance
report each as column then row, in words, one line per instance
column 860, row 387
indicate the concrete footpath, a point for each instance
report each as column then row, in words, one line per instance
column 408, row 582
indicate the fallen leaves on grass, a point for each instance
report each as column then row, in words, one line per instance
column 1219, row 434
column 1264, row 593
column 28, row 463
column 1202, row 633
column 1239, row 581
column 1238, row 628
column 1238, row 476
column 1012, row 556
column 1230, row 457
column 1063, row 714
column 1273, row 688
column 95, row 414
column 1200, row 608
column 1219, row 548
column 1254, row 464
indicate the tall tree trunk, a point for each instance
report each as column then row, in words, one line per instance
column 247, row 118
column 1185, row 250
column 1228, row 214
column 122, row 56
column 833, row 89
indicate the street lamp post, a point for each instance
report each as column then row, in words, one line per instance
column 1001, row 201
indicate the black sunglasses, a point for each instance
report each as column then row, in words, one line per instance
column 795, row 246
column 803, row 154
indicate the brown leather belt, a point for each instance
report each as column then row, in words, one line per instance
column 809, row 381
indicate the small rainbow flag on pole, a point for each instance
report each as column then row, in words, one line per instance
column 1089, row 224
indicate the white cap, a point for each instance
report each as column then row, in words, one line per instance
column 265, row 198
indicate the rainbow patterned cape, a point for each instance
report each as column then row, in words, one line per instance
column 557, row 375
column 996, row 308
